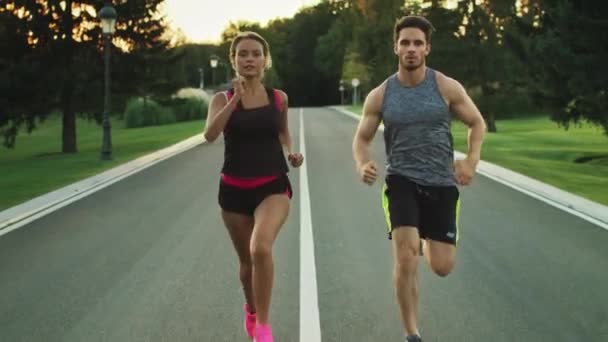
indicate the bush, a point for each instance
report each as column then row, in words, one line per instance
column 187, row 109
column 142, row 113
column 506, row 105
column 186, row 93
column 166, row 116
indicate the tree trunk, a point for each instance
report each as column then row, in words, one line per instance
column 491, row 122
column 487, row 92
column 67, row 91
column 69, row 121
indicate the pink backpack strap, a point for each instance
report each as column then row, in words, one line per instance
column 228, row 94
column 278, row 101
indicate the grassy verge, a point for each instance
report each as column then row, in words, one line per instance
column 355, row 109
column 575, row 160
column 36, row 167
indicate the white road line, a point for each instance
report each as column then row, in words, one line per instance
column 548, row 201
column 310, row 327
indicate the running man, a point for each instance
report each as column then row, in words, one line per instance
column 420, row 195
column 254, row 189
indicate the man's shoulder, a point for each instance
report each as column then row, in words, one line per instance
column 374, row 99
column 378, row 92
column 445, row 80
column 447, row 85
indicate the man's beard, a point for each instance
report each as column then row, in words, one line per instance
column 412, row 67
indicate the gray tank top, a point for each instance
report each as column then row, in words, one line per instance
column 417, row 135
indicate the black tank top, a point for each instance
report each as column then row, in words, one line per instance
column 251, row 138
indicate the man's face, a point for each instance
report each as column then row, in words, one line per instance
column 411, row 48
column 250, row 60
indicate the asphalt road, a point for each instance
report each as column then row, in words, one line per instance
column 148, row 259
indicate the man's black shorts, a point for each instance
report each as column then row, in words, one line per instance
column 433, row 210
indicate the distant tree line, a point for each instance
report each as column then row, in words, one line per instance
column 515, row 56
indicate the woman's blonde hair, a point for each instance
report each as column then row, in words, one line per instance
column 250, row 35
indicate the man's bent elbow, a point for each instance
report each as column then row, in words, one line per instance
column 356, row 143
column 479, row 125
column 360, row 141
column 483, row 126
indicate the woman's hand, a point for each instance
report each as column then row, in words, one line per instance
column 295, row 159
column 239, row 87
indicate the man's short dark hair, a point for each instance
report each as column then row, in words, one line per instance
column 414, row 21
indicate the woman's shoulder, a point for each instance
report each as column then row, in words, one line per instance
column 281, row 94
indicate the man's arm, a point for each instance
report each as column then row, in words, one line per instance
column 368, row 125
column 465, row 110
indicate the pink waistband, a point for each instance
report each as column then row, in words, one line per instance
column 247, row 183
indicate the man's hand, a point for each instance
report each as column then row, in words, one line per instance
column 368, row 172
column 295, row 159
column 464, row 170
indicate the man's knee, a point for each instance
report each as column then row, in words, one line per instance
column 406, row 260
column 441, row 257
column 442, row 266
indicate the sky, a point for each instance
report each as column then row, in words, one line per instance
column 203, row 21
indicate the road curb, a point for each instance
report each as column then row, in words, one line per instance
column 19, row 215
column 588, row 210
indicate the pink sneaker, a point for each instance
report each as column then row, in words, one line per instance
column 263, row 333
column 249, row 321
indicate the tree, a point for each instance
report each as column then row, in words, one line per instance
column 292, row 44
column 20, row 76
column 373, row 37
column 65, row 37
column 331, row 50
column 447, row 49
column 147, row 55
column 296, row 68
column 354, row 68
column 489, row 62
column 47, row 28
column 567, row 57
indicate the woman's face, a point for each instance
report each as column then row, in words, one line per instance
column 249, row 59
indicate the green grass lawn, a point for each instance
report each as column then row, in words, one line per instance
column 35, row 167
column 538, row 148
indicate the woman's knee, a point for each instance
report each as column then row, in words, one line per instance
column 269, row 218
column 260, row 249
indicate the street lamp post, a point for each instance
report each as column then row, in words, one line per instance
column 201, row 72
column 355, row 83
column 213, row 60
column 227, row 73
column 108, row 22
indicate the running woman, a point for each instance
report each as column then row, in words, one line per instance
column 254, row 189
